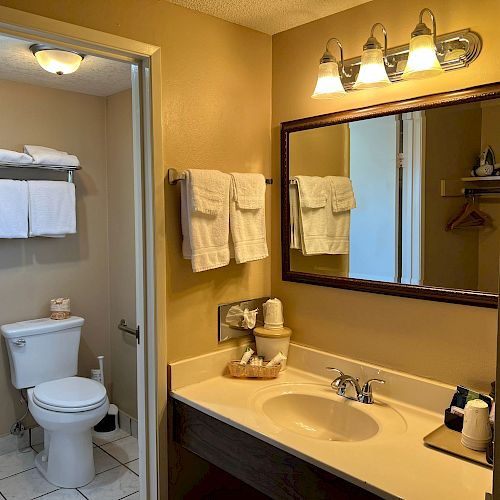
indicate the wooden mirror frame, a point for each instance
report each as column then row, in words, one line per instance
column 467, row 297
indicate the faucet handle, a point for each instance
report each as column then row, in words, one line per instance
column 366, row 391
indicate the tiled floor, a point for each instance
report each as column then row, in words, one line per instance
column 116, row 464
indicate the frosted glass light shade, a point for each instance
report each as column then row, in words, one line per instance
column 372, row 72
column 329, row 85
column 422, row 59
column 60, row 62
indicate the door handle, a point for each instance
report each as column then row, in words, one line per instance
column 122, row 325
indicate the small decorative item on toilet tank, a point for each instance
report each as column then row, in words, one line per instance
column 60, row 308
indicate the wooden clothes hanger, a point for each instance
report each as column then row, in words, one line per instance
column 469, row 216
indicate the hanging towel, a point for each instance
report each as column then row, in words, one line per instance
column 52, row 208
column 205, row 219
column 13, row 209
column 342, row 193
column 248, row 217
column 47, row 156
column 8, row 156
column 295, row 233
column 322, row 230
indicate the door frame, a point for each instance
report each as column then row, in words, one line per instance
column 149, row 185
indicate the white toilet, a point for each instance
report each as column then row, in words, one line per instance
column 43, row 356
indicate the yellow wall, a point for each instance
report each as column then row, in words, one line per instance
column 32, row 271
column 422, row 337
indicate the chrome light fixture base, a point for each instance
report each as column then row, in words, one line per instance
column 463, row 46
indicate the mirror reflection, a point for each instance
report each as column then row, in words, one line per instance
column 412, row 198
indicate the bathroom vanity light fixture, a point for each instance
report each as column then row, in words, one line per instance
column 427, row 54
column 372, row 72
column 329, row 84
column 58, row 61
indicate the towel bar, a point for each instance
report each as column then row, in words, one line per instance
column 174, row 176
column 59, row 168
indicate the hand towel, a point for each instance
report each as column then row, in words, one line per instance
column 205, row 219
column 247, row 217
column 47, row 156
column 13, row 209
column 322, row 230
column 295, row 233
column 52, row 208
column 342, row 193
column 8, row 156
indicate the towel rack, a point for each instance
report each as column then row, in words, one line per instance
column 59, row 168
column 174, row 176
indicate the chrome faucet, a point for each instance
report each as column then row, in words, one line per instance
column 363, row 394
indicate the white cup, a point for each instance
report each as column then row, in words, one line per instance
column 273, row 313
column 476, row 431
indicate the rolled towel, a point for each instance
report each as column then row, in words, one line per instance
column 52, row 208
column 7, row 156
column 47, row 156
column 205, row 219
column 13, row 209
column 247, row 217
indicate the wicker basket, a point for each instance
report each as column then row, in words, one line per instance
column 251, row 371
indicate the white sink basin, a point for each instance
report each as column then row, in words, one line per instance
column 315, row 411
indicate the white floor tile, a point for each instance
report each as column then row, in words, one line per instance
column 133, row 466
column 103, row 461
column 8, row 443
column 26, row 485
column 15, row 462
column 124, row 450
column 118, row 434
column 113, row 484
column 63, row 494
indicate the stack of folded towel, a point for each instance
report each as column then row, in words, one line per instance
column 215, row 204
column 39, row 155
column 37, row 208
column 320, row 214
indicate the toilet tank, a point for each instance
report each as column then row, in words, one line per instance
column 42, row 349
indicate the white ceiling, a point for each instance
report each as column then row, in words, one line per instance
column 96, row 76
column 269, row 16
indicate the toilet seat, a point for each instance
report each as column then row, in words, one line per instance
column 70, row 395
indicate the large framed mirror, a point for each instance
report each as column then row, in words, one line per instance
column 400, row 198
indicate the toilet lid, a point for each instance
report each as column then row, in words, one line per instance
column 70, row 394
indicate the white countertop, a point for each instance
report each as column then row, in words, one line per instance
column 389, row 464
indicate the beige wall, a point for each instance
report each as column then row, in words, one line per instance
column 422, row 337
column 35, row 270
column 121, row 237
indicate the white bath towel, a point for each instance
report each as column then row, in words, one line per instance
column 295, row 232
column 13, row 209
column 52, row 208
column 47, row 156
column 247, row 217
column 7, row 156
column 322, row 230
column 342, row 193
column 205, row 219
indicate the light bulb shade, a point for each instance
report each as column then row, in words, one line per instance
column 329, row 85
column 372, row 72
column 422, row 59
column 60, row 62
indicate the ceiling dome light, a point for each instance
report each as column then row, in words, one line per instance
column 60, row 62
column 422, row 57
column 329, row 84
column 372, row 72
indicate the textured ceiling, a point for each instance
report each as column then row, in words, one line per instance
column 96, row 76
column 269, row 16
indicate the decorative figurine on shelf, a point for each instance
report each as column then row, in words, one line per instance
column 486, row 165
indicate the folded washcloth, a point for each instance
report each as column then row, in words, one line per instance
column 313, row 191
column 52, row 208
column 247, row 217
column 205, row 219
column 13, row 209
column 47, row 156
column 7, row 156
column 342, row 193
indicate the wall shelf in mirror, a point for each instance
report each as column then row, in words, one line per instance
column 34, row 166
column 397, row 244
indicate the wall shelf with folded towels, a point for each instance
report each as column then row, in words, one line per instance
column 174, row 176
column 58, row 168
